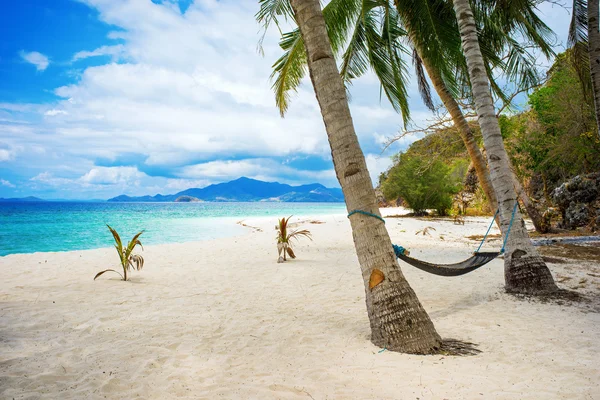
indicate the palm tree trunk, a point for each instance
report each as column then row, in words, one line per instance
column 532, row 211
column 594, row 52
column 524, row 269
column 398, row 320
column 465, row 131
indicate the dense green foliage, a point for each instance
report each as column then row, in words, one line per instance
column 556, row 139
column 551, row 142
column 424, row 183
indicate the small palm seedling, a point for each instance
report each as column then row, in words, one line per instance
column 125, row 254
column 284, row 238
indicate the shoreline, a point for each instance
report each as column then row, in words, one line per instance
column 46, row 227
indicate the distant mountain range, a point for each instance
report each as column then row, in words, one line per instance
column 246, row 189
column 20, row 199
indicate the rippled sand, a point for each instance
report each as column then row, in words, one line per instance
column 221, row 319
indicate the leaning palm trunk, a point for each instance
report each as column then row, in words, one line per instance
column 532, row 211
column 594, row 52
column 398, row 320
column 524, row 269
column 475, row 154
column 464, row 131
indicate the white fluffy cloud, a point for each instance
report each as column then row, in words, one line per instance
column 6, row 183
column 376, row 165
column 53, row 112
column 181, row 93
column 40, row 61
column 190, row 89
column 5, row 155
column 112, row 176
column 115, row 52
column 264, row 169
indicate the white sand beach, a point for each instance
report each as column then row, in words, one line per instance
column 222, row 319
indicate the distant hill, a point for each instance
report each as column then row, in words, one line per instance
column 186, row 199
column 20, row 199
column 246, row 189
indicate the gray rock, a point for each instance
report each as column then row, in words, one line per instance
column 577, row 199
column 577, row 215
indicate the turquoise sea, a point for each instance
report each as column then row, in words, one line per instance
column 65, row 226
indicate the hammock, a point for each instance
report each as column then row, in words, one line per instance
column 477, row 260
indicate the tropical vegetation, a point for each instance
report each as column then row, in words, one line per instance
column 553, row 140
column 285, row 237
column 424, row 184
column 126, row 257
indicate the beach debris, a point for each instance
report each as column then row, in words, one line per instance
column 425, row 231
column 126, row 256
column 284, row 238
column 459, row 219
column 256, row 229
column 376, row 278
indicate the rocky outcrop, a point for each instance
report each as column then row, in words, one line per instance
column 186, row 199
column 579, row 201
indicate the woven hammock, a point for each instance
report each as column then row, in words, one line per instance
column 477, row 260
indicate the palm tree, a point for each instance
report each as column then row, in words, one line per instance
column 437, row 48
column 398, row 320
column 421, row 19
column 584, row 38
column 524, row 269
column 498, row 22
column 435, row 42
column 126, row 256
column 285, row 237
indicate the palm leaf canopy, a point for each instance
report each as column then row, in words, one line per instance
column 377, row 35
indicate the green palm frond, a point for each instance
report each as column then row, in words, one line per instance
column 508, row 29
column 520, row 66
column 423, row 84
column 578, row 41
column 375, row 43
column 355, row 60
column 578, row 28
column 289, row 69
column 433, row 33
column 134, row 242
column 116, row 236
column 299, row 233
column 271, row 11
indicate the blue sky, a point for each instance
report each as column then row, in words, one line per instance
column 106, row 97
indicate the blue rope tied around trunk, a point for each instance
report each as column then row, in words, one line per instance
column 398, row 250
column 488, row 231
column 366, row 213
column 512, row 218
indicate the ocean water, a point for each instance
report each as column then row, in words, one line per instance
column 65, row 226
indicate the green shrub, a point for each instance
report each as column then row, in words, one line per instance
column 422, row 183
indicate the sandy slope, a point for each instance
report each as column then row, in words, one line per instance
column 221, row 319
